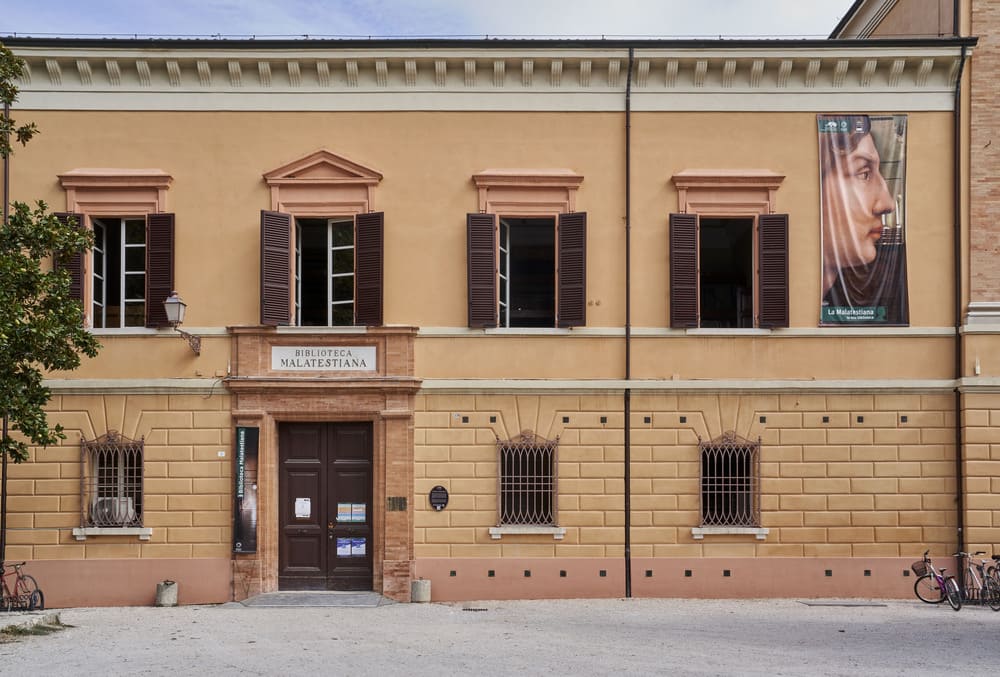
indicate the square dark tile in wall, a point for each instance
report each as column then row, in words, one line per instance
column 684, row 419
column 826, row 419
column 604, row 419
column 647, row 419
column 465, row 419
column 763, row 419
column 565, row 419
column 493, row 419
column 904, row 418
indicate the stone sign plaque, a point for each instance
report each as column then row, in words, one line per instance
column 323, row 358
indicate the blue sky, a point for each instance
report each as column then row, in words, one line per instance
column 423, row 18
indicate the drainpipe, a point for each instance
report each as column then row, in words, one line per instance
column 3, row 451
column 959, row 348
column 628, row 324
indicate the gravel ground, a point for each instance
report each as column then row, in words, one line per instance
column 557, row 637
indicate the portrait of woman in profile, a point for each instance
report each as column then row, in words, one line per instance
column 862, row 179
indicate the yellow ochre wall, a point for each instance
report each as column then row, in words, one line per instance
column 877, row 491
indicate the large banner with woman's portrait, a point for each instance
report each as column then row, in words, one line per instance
column 862, row 162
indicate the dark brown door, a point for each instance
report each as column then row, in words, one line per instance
column 326, row 506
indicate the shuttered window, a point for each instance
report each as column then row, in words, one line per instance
column 275, row 266
column 683, row 270
column 338, row 283
column 369, row 229
column 572, row 267
column 482, row 280
column 772, row 250
column 527, row 272
column 73, row 262
column 697, row 296
column 159, row 267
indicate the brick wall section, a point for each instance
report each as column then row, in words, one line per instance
column 985, row 153
column 982, row 472
column 865, row 483
column 187, row 485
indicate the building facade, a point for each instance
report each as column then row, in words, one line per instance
column 524, row 319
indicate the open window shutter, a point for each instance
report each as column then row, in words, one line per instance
column 572, row 247
column 275, row 267
column 159, row 267
column 368, row 229
column 482, row 270
column 683, row 270
column 74, row 262
column 773, row 253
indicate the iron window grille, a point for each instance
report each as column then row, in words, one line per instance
column 111, row 484
column 730, row 481
column 527, row 480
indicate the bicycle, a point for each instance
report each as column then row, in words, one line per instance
column 933, row 587
column 980, row 586
column 24, row 595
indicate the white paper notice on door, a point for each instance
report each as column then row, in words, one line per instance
column 303, row 508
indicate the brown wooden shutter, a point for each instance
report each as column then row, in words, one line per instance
column 572, row 248
column 159, row 267
column 368, row 245
column 74, row 262
column 482, row 279
column 275, row 267
column 683, row 270
column 772, row 249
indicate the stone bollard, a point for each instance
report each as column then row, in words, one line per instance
column 166, row 593
column 420, row 590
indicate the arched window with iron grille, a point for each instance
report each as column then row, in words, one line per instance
column 527, row 480
column 112, row 481
column 730, row 481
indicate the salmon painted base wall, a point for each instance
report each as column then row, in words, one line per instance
column 130, row 582
column 470, row 579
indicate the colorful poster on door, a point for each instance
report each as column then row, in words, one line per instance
column 344, row 512
column 358, row 512
column 863, row 219
column 357, row 547
column 343, row 547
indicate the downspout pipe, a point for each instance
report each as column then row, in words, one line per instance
column 3, row 451
column 628, row 324
column 959, row 346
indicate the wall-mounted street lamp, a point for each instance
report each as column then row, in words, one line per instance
column 175, row 308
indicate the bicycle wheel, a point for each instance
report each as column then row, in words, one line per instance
column 992, row 593
column 28, row 590
column 927, row 589
column 952, row 592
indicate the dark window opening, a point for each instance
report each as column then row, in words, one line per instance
column 119, row 273
column 527, row 280
column 725, row 262
column 324, row 272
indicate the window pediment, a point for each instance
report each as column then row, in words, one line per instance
column 322, row 166
column 322, row 183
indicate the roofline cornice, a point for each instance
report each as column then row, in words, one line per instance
column 381, row 44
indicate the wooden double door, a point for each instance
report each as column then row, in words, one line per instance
column 325, row 489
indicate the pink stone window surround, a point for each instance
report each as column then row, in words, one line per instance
column 112, row 192
column 527, row 192
column 727, row 192
column 322, row 184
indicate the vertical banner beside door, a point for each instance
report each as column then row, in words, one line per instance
column 245, row 496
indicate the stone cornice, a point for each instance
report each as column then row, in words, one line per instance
column 470, row 78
